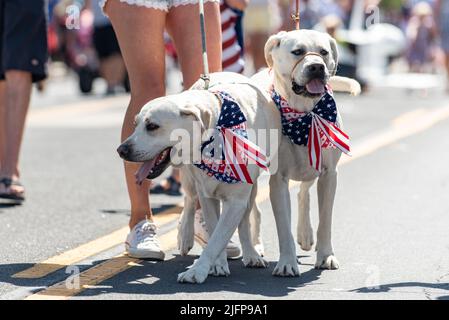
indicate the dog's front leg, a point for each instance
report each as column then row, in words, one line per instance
column 211, row 213
column 233, row 211
column 327, row 185
column 251, row 257
column 280, row 201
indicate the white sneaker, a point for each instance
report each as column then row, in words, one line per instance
column 142, row 242
column 202, row 237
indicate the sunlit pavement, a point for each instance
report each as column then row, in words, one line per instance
column 390, row 215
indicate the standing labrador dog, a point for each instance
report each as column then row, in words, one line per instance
column 153, row 144
column 301, row 65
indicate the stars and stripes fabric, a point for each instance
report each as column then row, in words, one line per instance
column 232, row 51
column 316, row 129
column 226, row 154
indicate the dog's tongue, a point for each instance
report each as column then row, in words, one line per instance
column 315, row 86
column 144, row 170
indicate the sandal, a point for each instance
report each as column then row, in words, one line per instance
column 11, row 195
column 174, row 188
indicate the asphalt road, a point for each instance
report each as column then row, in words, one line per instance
column 390, row 229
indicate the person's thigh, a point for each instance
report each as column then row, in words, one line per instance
column 139, row 32
column 183, row 24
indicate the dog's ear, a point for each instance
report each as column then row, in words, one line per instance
column 200, row 115
column 271, row 43
column 334, row 50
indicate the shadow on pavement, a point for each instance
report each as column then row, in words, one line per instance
column 160, row 279
column 388, row 287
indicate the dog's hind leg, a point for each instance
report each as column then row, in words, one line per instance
column 327, row 185
column 304, row 229
column 255, row 221
column 186, row 226
column 251, row 257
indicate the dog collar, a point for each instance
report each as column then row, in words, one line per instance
column 316, row 129
column 225, row 154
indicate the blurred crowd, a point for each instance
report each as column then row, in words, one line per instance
column 90, row 48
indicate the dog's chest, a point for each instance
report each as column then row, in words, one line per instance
column 294, row 161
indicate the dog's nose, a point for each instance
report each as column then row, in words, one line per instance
column 123, row 150
column 315, row 70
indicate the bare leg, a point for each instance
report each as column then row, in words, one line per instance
column 140, row 34
column 17, row 100
column 187, row 39
column 257, row 44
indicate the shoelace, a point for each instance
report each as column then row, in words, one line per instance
column 147, row 233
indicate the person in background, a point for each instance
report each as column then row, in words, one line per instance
column 23, row 60
column 442, row 16
column 112, row 67
column 421, row 34
column 262, row 18
column 231, row 12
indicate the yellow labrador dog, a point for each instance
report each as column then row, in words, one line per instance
column 155, row 143
column 302, row 63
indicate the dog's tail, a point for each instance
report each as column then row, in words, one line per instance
column 344, row 84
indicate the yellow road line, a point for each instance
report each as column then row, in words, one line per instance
column 404, row 126
column 91, row 248
column 97, row 274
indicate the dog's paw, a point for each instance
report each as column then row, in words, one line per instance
column 305, row 238
column 220, row 268
column 196, row 274
column 286, row 268
column 329, row 262
column 254, row 261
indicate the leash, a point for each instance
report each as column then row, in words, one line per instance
column 295, row 15
column 205, row 76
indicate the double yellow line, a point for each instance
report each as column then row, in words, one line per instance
column 404, row 126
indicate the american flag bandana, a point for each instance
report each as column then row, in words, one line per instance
column 225, row 155
column 316, row 129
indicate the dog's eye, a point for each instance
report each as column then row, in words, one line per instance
column 324, row 52
column 151, row 126
column 298, row 52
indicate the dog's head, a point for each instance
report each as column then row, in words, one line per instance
column 304, row 59
column 152, row 141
